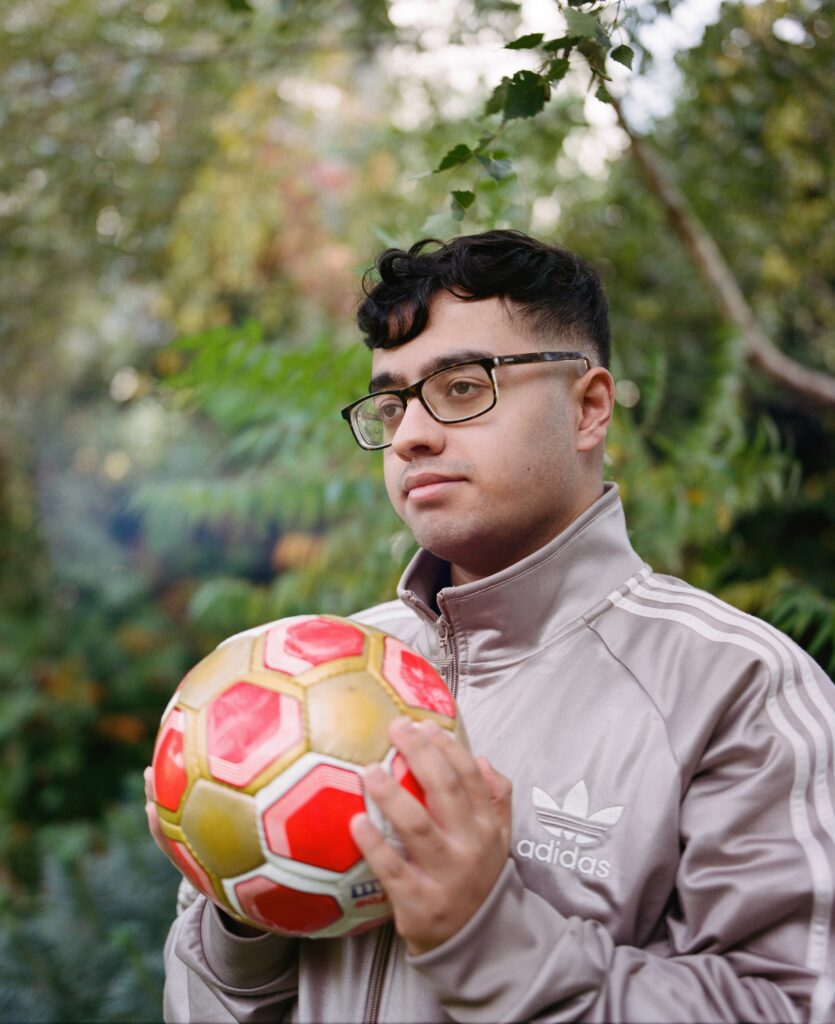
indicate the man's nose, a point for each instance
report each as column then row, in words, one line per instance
column 418, row 432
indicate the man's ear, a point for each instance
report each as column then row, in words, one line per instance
column 596, row 400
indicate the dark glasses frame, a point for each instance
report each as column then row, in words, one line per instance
column 488, row 363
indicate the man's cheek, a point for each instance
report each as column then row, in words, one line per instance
column 395, row 494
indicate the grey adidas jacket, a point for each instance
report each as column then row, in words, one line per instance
column 673, row 849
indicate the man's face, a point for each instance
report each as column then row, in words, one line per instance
column 485, row 493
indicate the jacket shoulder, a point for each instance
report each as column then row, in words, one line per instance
column 702, row 661
column 392, row 617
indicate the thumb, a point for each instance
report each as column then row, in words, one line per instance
column 152, row 815
column 501, row 790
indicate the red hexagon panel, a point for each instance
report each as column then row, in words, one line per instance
column 414, row 679
column 248, row 727
column 170, row 779
column 309, row 822
column 295, row 645
column 400, row 770
column 291, row 910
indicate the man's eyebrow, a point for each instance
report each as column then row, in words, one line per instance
column 382, row 381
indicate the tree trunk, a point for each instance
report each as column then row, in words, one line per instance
column 759, row 350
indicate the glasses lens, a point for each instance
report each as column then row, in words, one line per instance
column 377, row 418
column 460, row 392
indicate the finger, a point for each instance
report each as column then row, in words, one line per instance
column 431, row 767
column 499, row 785
column 152, row 814
column 452, row 782
column 469, row 771
column 415, row 828
column 156, row 831
column 159, row 836
column 390, row 868
column 501, row 791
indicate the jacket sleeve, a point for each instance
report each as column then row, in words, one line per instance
column 213, row 975
column 747, row 933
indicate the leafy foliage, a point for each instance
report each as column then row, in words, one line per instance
column 221, row 174
column 87, row 946
column 590, row 27
column 297, row 474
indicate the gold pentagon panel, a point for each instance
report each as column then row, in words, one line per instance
column 348, row 717
column 216, row 671
column 222, row 829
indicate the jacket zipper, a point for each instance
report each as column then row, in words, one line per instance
column 382, row 950
column 377, row 976
column 448, row 663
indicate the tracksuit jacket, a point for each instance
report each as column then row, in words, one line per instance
column 673, row 842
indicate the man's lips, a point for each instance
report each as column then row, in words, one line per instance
column 427, row 484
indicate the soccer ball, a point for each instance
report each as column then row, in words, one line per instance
column 257, row 769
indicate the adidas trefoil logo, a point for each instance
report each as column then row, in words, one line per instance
column 573, row 820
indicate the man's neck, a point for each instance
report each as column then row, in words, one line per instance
column 460, row 574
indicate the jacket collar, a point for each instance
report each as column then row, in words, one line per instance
column 515, row 612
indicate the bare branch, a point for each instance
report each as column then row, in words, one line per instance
column 759, row 350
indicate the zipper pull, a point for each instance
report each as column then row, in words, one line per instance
column 443, row 640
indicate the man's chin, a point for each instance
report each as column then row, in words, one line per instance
column 465, row 553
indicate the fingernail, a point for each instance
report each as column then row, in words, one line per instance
column 373, row 773
column 429, row 727
column 358, row 821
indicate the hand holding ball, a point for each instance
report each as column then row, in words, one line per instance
column 257, row 769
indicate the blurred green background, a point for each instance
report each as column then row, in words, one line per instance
column 189, row 195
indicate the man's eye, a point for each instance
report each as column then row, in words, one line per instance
column 463, row 387
column 389, row 410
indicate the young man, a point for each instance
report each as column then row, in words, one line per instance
column 669, row 851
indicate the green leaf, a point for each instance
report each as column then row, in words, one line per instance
column 498, row 98
column 582, row 24
column 464, row 198
column 602, row 37
column 563, row 43
column 825, row 634
column 557, row 69
column 527, row 94
column 459, row 154
column 497, row 169
column 507, row 6
column 528, row 42
column 623, row 55
column 460, row 201
column 603, row 94
column 239, row 5
column 595, row 54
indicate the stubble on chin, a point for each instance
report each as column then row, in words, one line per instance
column 458, row 539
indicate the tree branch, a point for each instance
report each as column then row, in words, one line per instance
column 759, row 350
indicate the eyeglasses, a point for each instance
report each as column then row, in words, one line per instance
column 453, row 394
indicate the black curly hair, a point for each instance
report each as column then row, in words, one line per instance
column 558, row 294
